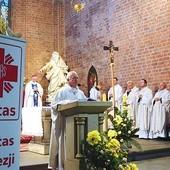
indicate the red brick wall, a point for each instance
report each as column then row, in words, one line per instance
column 141, row 30
column 42, row 25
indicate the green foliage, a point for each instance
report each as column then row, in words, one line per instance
column 25, row 81
column 124, row 126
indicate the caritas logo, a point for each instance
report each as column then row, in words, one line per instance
column 8, row 72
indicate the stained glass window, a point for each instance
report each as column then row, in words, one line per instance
column 5, row 6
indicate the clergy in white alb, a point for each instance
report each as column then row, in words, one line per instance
column 118, row 92
column 95, row 92
column 69, row 93
column 130, row 99
column 143, row 112
column 33, row 93
column 160, row 112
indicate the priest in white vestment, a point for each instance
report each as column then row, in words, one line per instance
column 69, row 93
column 143, row 112
column 95, row 92
column 160, row 112
column 33, row 93
column 31, row 112
column 130, row 99
column 118, row 91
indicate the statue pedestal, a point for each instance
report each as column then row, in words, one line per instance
column 40, row 148
column 81, row 118
column 41, row 144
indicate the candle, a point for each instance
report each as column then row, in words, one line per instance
column 124, row 99
column 104, row 97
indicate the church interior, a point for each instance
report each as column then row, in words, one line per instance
column 138, row 31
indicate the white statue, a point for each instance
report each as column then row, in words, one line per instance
column 55, row 71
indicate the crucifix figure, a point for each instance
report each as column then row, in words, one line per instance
column 111, row 49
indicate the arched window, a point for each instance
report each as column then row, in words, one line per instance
column 92, row 78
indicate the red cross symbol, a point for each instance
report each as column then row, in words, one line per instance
column 8, row 73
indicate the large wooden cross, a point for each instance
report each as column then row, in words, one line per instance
column 111, row 49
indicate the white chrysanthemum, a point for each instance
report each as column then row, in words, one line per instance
column 125, row 159
column 121, row 140
column 120, row 166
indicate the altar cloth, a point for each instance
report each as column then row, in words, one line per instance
column 32, row 121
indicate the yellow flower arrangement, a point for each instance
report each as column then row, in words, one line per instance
column 103, row 151
column 93, row 137
column 112, row 133
column 118, row 120
column 124, row 127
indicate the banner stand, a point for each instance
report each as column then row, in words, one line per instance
column 12, row 62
